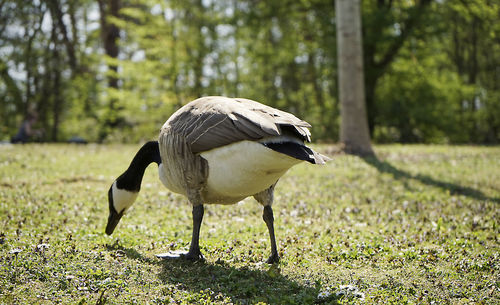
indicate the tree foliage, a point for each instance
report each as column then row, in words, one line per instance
column 113, row 70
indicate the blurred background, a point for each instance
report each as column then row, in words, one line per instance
column 114, row 70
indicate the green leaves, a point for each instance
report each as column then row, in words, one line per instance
column 430, row 66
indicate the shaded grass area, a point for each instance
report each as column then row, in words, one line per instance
column 417, row 225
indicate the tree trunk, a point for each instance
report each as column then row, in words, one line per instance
column 57, row 19
column 110, row 35
column 57, row 103
column 354, row 133
column 370, row 86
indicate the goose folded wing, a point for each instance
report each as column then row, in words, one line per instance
column 225, row 121
column 280, row 118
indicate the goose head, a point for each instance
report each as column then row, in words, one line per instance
column 120, row 200
column 124, row 190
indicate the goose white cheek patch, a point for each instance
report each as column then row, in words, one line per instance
column 122, row 199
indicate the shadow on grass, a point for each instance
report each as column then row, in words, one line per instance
column 454, row 189
column 218, row 281
column 120, row 250
column 241, row 285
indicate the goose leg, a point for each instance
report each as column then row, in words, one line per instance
column 266, row 198
column 194, row 250
column 268, row 217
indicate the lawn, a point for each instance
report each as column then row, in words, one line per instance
column 420, row 224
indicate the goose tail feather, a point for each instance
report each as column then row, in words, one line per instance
column 297, row 151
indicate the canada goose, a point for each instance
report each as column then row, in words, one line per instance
column 218, row 150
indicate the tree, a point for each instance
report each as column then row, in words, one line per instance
column 46, row 68
column 354, row 133
column 115, row 69
column 473, row 45
column 110, row 33
column 387, row 25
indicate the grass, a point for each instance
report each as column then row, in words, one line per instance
column 417, row 225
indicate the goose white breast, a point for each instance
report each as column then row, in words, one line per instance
column 243, row 169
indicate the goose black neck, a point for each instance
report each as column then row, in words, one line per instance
column 131, row 179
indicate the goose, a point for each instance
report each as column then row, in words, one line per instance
column 218, row 150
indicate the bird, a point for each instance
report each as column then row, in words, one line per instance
column 218, row 150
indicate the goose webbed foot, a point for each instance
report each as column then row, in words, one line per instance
column 193, row 256
column 274, row 258
column 177, row 255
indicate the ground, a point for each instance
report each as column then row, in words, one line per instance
column 419, row 224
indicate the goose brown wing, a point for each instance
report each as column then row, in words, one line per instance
column 212, row 122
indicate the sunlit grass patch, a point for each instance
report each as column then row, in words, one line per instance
column 419, row 224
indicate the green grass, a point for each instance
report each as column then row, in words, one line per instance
column 418, row 225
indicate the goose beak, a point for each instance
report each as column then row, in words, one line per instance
column 113, row 220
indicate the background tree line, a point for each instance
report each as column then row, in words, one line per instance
column 114, row 70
